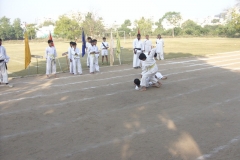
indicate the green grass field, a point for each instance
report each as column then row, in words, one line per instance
column 174, row 48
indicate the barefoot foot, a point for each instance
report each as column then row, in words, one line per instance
column 143, row 89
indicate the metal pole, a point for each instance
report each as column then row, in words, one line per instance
column 120, row 57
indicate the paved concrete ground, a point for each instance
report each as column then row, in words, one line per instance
column 195, row 115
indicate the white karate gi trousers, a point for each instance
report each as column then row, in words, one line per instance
column 77, row 67
column 92, row 63
column 160, row 54
column 3, row 73
column 51, row 66
column 88, row 60
column 136, row 60
column 70, row 67
column 159, row 75
column 96, row 63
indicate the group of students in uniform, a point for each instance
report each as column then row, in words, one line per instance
column 144, row 55
column 140, row 46
column 74, row 55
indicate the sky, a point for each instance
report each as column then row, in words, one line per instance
column 111, row 10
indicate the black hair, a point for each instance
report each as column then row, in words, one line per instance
column 104, row 38
column 0, row 39
column 92, row 41
column 138, row 34
column 71, row 42
column 49, row 41
column 137, row 82
column 74, row 43
column 89, row 38
column 142, row 56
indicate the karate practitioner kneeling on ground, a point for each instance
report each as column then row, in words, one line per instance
column 137, row 81
column 149, row 69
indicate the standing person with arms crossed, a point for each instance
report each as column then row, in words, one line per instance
column 50, row 55
column 104, row 47
column 147, row 45
column 4, row 59
column 159, row 47
column 137, row 50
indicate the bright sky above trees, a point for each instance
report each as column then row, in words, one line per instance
column 111, row 10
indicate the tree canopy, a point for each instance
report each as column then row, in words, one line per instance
column 67, row 28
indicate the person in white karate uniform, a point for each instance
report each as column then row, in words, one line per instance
column 50, row 55
column 70, row 59
column 97, row 69
column 92, row 50
column 88, row 45
column 159, row 48
column 138, row 48
column 75, row 52
column 4, row 59
column 147, row 44
column 149, row 69
column 137, row 81
column 104, row 47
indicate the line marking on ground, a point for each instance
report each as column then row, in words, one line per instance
column 218, row 149
column 106, row 78
column 181, row 62
column 170, row 97
column 143, row 131
column 43, row 95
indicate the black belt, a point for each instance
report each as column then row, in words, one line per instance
column 137, row 48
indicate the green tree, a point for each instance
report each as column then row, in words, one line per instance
column 67, row 28
column 189, row 27
column 173, row 18
column 6, row 29
column 92, row 24
column 31, row 29
column 48, row 23
column 215, row 21
column 233, row 26
column 17, row 29
column 124, row 27
column 144, row 25
column 159, row 28
column 78, row 17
